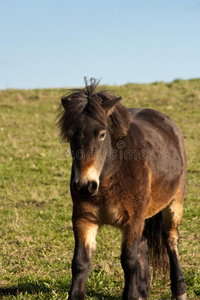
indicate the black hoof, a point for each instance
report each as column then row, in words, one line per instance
column 180, row 297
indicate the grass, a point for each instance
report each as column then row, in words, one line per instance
column 36, row 240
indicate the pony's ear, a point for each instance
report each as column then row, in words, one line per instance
column 64, row 102
column 109, row 105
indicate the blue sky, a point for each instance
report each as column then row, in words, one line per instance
column 55, row 43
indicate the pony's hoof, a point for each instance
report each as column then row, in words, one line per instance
column 180, row 297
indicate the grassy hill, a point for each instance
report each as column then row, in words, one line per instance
column 36, row 239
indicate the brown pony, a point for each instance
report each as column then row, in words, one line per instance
column 129, row 171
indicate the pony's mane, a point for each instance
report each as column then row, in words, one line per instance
column 87, row 99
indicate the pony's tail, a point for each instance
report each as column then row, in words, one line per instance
column 154, row 232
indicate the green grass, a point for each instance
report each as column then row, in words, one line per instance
column 36, row 240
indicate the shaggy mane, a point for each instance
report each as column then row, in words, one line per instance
column 87, row 99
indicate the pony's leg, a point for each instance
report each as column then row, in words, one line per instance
column 143, row 269
column 85, row 243
column 172, row 216
column 135, row 265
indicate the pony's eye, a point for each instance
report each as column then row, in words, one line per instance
column 102, row 135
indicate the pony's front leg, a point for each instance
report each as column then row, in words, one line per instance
column 134, row 260
column 85, row 242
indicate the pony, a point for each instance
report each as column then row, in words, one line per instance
column 128, row 171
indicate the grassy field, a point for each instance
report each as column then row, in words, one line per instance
column 36, row 239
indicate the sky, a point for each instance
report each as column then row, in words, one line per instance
column 55, row 43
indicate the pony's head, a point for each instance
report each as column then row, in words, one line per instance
column 91, row 121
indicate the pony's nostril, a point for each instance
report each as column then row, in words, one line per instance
column 86, row 190
column 92, row 187
column 76, row 186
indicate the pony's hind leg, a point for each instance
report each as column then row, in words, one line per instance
column 172, row 216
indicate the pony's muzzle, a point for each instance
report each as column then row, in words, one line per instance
column 89, row 189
